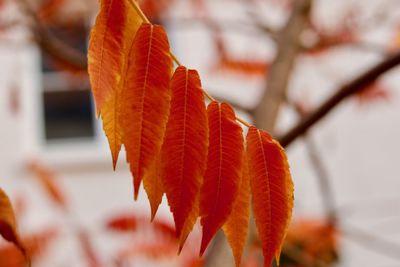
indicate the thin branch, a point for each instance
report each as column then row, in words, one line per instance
column 345, row 91
column 371, row 242
column 288, row 44
column 324, row 183
column 240, row 27
column 135, row 5
column 50, row 43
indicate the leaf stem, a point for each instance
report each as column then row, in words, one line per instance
column 135, row 5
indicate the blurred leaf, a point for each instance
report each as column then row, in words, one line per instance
column 122, row 223
column 48, row 181
column 317, row 239
column 36, row 245
column 373, row 93
column 8, row 224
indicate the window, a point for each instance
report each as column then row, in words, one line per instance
column 67, row 105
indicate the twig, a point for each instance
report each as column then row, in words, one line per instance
column 345, row 91
column 240, row 27
column 288, row 44
column 135, row 5
column 324, row 183
column 325, row 187
column 371, row 242
column 51, row 44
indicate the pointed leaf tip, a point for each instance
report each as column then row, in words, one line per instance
column 236, row 227
column 8, row 224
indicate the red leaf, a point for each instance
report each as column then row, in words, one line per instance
column 122, row 223
column 318, row 239
column 248, row 67
column 372, row 93
column 110, row 37
column 47, row 180
column 185, row 149
column 8, row 224
column 146, row 97
column 224, row 168
column 236, row 227
column 36, row 245
column 272, row 191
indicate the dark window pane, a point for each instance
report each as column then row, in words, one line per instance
column 68, row 114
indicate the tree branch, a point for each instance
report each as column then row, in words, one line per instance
column 50, row 43
column 345, row 91
column 289, row 46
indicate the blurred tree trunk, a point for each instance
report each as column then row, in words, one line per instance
column 288, row 44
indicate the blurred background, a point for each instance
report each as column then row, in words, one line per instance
column 276, row 61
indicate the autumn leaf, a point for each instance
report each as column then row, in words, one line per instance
column 316, row 238
column 373, row 93
column 153, row 184
column 224, row 169
column 47, row 180
column 185, row 149
column 247, row 67
column 146, row 97
column 271, row 189
column 236, row 227
column 122, row 223
column 115, row 25
column 128, row 222
column 110, row 42
column 8, row 224
column 36, row 245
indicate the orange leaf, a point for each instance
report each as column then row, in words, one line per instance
column 185, row 149
column 152, row 182
column 272, row 191
column 372, row 93
column 110, row 42
column 236, row 227
column 8, row 224
column 317, row 238
column 122, row 223
column 146, row 97
column 224, row 168
column 36, row 245
column 47, row 179
column 243, row 66
column 110, row 37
